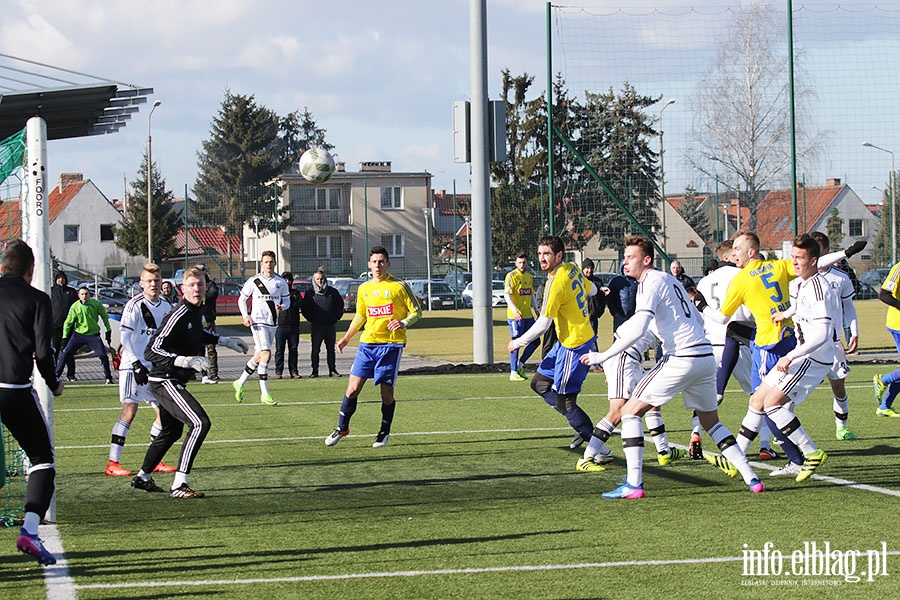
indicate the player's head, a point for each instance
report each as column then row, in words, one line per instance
column 638, row 256
column 288, row 276
column 822, row 240
column 193, row 286
column 84, row 293
column 805, row 255
column 379, row 262
column 267, row 263
column 745, row 248
column 711, row 265
column 521, row 261
column 550, row 253
column 18, row 260
column 150, row 281
column 724, row 249
column 587, row 267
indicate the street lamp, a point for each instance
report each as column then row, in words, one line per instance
column 150, row 188
column 893, row 203
column 662, row 172
column 736, row 190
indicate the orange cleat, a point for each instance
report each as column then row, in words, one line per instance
column 164, row 468
column 114, row 469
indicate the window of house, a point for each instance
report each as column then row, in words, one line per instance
column 856, row 228
column 329, row 246
column 71, row 233
column 107, row 233
column 391, row 198
column 393, row 242
column 307, row 198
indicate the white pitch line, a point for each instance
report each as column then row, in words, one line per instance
column 60, row 585
column 422, row 573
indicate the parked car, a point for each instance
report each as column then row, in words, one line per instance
column 874, row 277
column 227, row 302
column 347, row 289
column 442, row 295
column 497, row 296
column 302, row 286
column 458, row 279
column 113, row 299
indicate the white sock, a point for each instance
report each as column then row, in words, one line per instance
column 32, row 520
column 654, row 420
column 751, row 423
column 841, row 407
column 596, row 447
column 719, row 432
column 115, row 450
column 179, row 479
column 263, row 371
column 634, row 455
column 782, row 417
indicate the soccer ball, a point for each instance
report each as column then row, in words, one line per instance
column 316, row 165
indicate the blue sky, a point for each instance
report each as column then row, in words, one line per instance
column 380, row 77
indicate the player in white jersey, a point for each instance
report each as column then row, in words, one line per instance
column 687, row 367
column 623, row 372
column 732, row 357
column 797, row 373
column 140, row 318
column 843, row 287
column 271, row 295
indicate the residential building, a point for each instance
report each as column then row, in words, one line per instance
column 333, row 224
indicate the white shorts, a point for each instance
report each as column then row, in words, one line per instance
column 694, row 377
column 263, row 337
column 742, row 369
column 132, row 393
column 802, row 377
column 623, row 372
column 840, row 368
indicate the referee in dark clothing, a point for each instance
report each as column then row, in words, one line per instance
column 26, row 331
column 176, row 353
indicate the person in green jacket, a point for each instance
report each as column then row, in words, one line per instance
column 82, row 328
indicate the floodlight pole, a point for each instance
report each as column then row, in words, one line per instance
column 150, row 187
column 662, row 174
column 893, row 202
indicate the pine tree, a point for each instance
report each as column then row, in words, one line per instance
column 299, row 133
column 694, row 215
column 131, row 234
column 834, row 228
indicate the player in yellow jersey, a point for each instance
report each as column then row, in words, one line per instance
column 561, row 374
column 888, row 385
column 387, row 307
column 762, row 287
column 518, row 288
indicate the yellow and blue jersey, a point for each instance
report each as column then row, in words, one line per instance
column 566, row 302
column 762, row 286
column 520, row 288
column 892, row 284
column 377, row 303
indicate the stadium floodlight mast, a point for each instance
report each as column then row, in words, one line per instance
column 893, row 202
column 662, row 173
column 150, row 186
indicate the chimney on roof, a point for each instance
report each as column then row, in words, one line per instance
column 380, row 166
column 339, row 166
column 66, row 178
column 833, row 181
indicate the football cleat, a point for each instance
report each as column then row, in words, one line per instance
column 626, row 490
column 696, row 448
column 148, row 485
column 842, row 433
column 114, row 469
column 671, row 456
column 722, row 463
column 514, row 376
column 381, row 440
column 33, row 546
column 577, row 441
column 521, row 372
column 767, row 454
column 788, row 469
column 164, row 468
column 757, row 486
column 811, row 462
column 587, row 465
column 887, row 412
column 183, row 491
column 238, row 391
column 208, row 380
column 268, row 400
column 880, row 388
column 335, row 436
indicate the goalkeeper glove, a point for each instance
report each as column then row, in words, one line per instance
column 197, row 363
column 141, row 373
column 855, row 248
column 238, row 345
column 699, row 301
column 108, row 337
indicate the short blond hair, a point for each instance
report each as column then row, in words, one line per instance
column 192, row 273
column 151, row 268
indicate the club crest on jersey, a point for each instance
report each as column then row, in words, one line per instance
column 385, row 310
column 524, row 291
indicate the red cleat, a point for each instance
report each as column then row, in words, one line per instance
column 164, row 468
column 114, row 469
